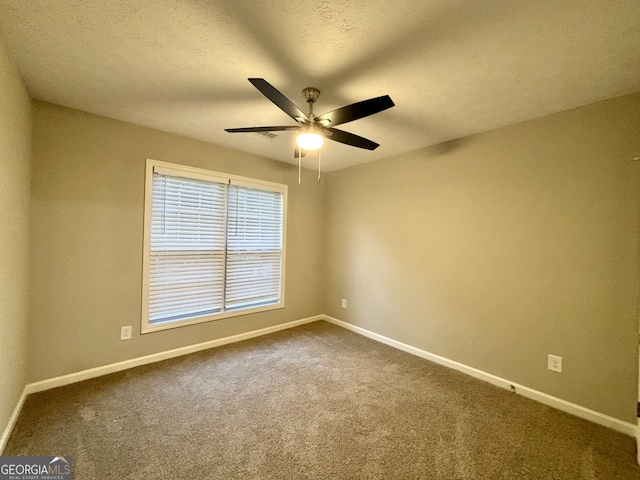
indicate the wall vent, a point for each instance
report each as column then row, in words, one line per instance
column 267, row 135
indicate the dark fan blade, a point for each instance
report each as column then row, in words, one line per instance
column 296, row 153
column 357, row 110
column 261, row 129
column 351, row 139
column 286, row 105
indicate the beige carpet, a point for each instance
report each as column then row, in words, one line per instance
column 316, row 401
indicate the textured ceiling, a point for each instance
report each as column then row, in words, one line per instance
column 452, row 67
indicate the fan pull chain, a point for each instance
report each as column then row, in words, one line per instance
column 319, row 162
column 299, row 164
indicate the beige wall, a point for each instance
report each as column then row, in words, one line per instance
column 498, row 249
column 86, row 250
column 15, row 152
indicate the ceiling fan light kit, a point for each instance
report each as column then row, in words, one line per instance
column 313, row 129
column 309, row 140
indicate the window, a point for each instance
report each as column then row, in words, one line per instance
column 214, row 246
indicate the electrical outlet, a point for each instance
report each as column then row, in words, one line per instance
column 344, row 303
column 554, row 363
column 125, row 333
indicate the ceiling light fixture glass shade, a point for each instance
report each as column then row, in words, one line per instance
column 309, row 140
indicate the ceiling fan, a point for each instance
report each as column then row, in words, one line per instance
column 313, row 129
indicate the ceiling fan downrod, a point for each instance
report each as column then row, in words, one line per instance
column 311, row 96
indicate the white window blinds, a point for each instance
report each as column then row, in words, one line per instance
column 187, row 248
column 254, row 247
column 215, row 245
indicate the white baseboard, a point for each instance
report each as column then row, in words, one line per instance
column 12, row 421
column 157, row 357
column 568, row 407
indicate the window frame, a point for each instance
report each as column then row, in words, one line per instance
column 202, row 174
